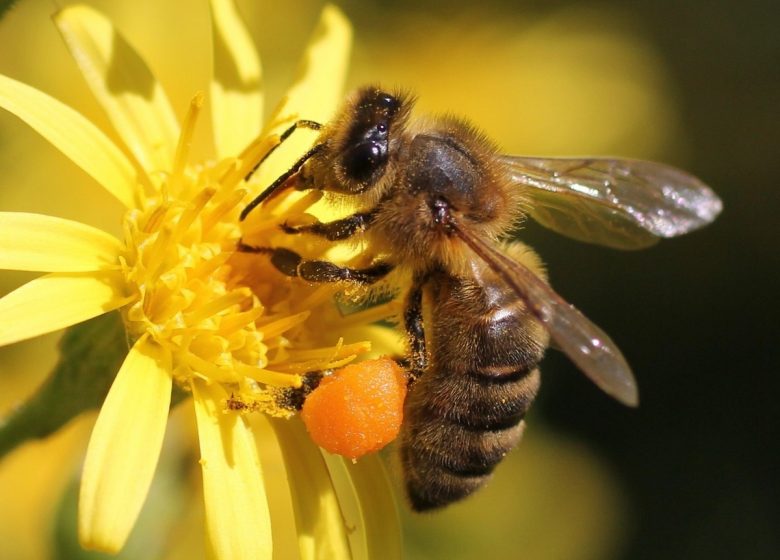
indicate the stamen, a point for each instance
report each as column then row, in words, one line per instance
column 248, row 159
column 156, row 253
column 269, row 377
column 218, row 305
column 161, row 303
column 211, row 216
column 315, row 365
column 340, row 363
column 208, row 266
column 330, row 353
column 156, row 219
column 276, row 328
column 185, row 143
column 171, row 234
column 211, row 371
column 221, row 169
column 235, row 321
column 192, row 211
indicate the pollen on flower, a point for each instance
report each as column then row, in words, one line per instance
column 222, row 315
column 237, row 403
column 260, row 401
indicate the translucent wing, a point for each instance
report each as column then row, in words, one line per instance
column 625, row 204
column 583, row 342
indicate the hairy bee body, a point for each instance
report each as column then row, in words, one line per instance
column 466, row 411
column 435, row 199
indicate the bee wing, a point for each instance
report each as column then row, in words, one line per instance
column 620, row 203
column 584, row 343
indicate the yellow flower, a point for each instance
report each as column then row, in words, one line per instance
column 219, row 324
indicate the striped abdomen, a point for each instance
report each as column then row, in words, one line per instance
column 466, row 411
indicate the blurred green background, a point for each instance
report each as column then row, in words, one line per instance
column 694, row 472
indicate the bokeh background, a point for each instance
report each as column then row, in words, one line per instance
column 694, row 472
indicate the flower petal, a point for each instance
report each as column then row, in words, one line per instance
column 236, row 97
column 123, row 84
column 237, row 517
column 124, row 447
column 56, row 301
column 316, row 93
column 322, row 530
column 49, row 244
column 73, row 135
column 368, row 507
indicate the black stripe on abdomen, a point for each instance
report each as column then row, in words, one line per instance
column 457, row 429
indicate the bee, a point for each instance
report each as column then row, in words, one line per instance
column 438, row 201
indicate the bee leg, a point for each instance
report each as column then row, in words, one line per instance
column 292, row 398
column 292, row 264
column 337, row 229
column 284, row 136
column 413, row 321
column 324, row 271
column 280, row 182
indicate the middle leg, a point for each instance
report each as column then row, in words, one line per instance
column 292, row 264
column 336, row 230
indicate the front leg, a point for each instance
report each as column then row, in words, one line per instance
column 280, row 182
column 303, row 123
column 336, row 230
column 292, row 264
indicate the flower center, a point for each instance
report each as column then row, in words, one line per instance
column 224, row 316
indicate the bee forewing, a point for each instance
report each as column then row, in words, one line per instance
column 620, row 203
column 584, row 343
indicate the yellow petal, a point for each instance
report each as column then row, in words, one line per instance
column 123, row 84
column 124, row 448
column 237, row 517
column 236, row 98
column 316, row 93
column 277, row 487
column 322, row 531
column 73, row 135
column 49, row 244
column 367, row 504
column 56, row 301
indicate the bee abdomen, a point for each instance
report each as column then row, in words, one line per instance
column 458, row 427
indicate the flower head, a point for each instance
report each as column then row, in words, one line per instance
column 222, row 325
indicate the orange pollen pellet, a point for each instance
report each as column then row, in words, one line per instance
column 358, row 409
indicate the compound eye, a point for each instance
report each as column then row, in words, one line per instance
column 388, row 102
column 363, row 161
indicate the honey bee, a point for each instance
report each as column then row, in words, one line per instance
column 437, row 200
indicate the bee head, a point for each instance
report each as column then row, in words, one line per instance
column 364, row 139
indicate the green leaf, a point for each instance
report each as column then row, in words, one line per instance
column 5, row 6
column 90, row 355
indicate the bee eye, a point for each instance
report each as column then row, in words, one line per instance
column 381, row 127
column 363, row 161
column 388, row 102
